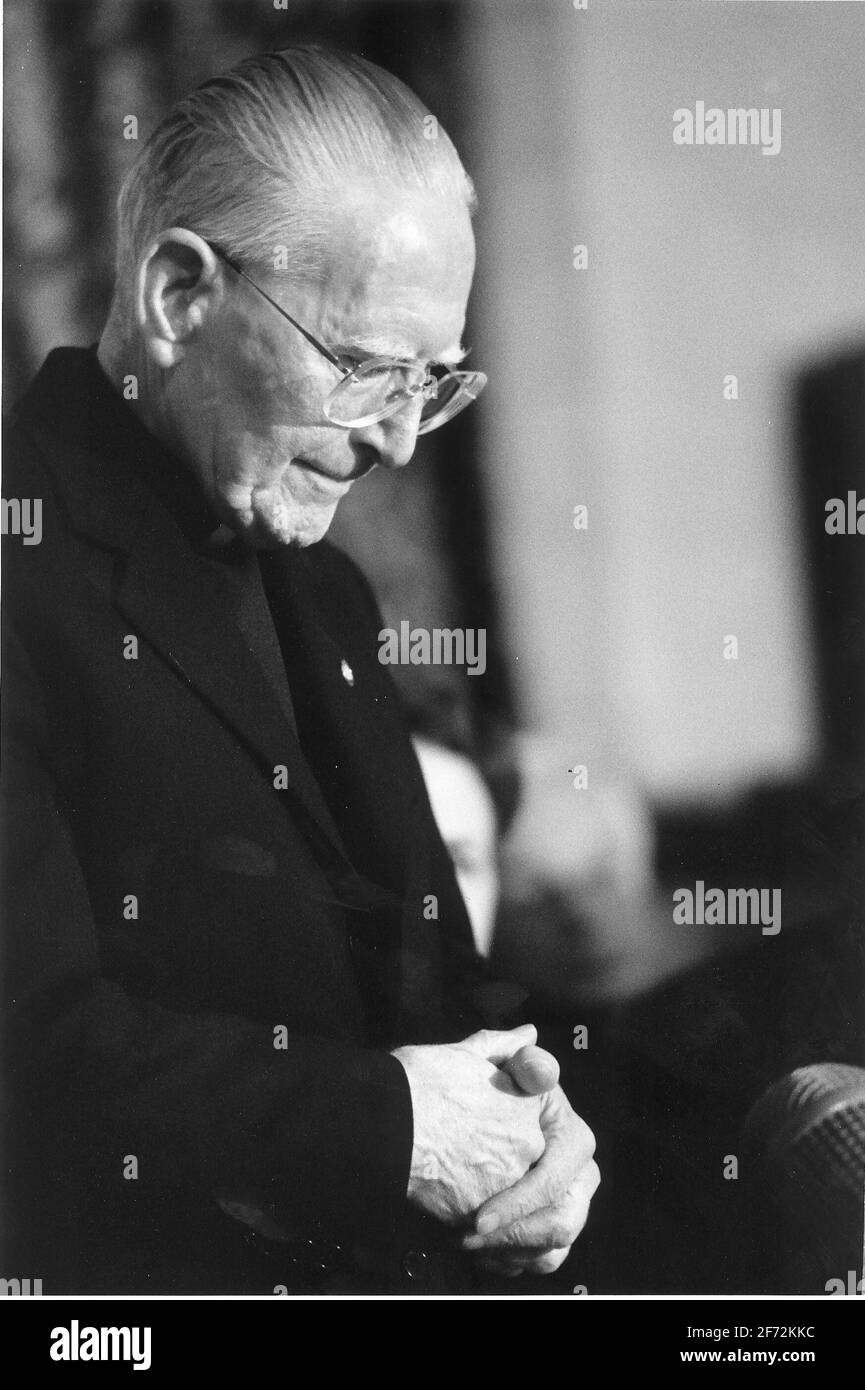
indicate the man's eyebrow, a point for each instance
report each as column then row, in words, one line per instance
column 452, row 357
column 381, row 347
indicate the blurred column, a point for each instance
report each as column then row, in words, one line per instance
column 606, row 383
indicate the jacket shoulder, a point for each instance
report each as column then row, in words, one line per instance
column 23, row 457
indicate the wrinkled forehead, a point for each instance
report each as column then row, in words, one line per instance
column 397, row 272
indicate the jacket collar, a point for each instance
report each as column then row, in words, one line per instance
column 117, row 483
column 116, row 466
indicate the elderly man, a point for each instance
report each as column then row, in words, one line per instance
column 245, row 1005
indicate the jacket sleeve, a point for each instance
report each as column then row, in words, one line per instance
column 316, row 1133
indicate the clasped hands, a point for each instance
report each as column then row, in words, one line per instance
column 498, row 1151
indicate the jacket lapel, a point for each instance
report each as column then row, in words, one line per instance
column 354, row 706
column 183, row 605
column 168, row 593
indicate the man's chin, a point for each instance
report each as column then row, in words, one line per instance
column 301, row 528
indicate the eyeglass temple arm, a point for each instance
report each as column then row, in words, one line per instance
column 320, row 347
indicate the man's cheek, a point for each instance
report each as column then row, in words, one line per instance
column 297, row 401
column 264, row 377
column 258, row 384
column 247, row 362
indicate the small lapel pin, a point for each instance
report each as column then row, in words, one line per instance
column 221, row 538
column 347, row 672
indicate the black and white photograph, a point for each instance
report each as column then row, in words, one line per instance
column 433, row 664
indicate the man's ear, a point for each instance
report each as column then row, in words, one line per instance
column 178, row 283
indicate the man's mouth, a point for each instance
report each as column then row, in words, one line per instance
column 332, row 483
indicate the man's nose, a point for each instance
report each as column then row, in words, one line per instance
column 392, row 440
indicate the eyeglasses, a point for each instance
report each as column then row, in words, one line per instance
column 380, row 386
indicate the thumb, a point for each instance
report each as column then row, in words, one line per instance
column 499, row 1045
column 533, row 1070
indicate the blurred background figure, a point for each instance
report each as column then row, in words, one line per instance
column 466, row 817
column 470, row 768
column 578, row 922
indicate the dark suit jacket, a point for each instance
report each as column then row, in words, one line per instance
column 176, row 906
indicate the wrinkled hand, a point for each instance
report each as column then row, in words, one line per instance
column 536, row 1196
column 531, row 1227
column 476, row 1132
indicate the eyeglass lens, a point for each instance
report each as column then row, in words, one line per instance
column 375, row 389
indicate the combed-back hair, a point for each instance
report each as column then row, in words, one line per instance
column 253, row 158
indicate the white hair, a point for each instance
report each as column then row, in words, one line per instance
column 252, row 159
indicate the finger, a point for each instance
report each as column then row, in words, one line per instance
column 501, row 1268
column 548, row 1262
column 533, row 1070
column 499, row 1045
column 538, row 1262
column 567, row 1156
column 543, row 1228
column 553, row 1228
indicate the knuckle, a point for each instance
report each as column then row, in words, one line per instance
column 550, row 1262
column 535, row 1147
column 554, row 1195
column 584, row 1138
column 562, row 1233
column 515, row 1235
